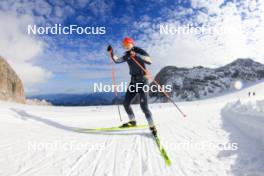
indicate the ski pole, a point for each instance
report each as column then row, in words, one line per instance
column 114, row 83
column 158, row 84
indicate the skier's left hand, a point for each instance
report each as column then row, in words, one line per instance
column 109, row 48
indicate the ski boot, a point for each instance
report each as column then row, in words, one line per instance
column 129, row 124
column 153, row 130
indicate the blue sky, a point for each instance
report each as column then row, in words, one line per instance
column 72, row 63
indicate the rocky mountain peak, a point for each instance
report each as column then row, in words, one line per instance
column 201, row 82
column 11, row 87
column 244, row 62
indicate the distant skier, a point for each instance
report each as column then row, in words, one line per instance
column 138, row 78
column 249, row 94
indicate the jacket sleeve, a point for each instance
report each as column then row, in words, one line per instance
column 143, row 55
column 117, row 59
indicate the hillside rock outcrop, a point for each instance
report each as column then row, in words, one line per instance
column 11, row 86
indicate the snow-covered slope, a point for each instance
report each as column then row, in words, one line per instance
column 246, row 120
column 40, row 141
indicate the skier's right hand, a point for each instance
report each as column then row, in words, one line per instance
column 109, row 48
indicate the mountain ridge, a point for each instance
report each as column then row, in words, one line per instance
column 190, row 84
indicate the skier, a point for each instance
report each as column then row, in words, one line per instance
column 138, row 80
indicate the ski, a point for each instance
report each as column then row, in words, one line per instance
column 162, row 151
column 157, row 140
column 111, row 128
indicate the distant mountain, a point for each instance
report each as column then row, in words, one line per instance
column 11, row 86
column 188, row 84
column 92, row 99
column 200, row 82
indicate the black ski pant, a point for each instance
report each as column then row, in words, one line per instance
column 136, row 87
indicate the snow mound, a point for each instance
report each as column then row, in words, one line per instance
column 244, row 122
column 248, row 117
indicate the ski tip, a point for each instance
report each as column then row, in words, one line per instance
column 167, row 160
column 168, row 163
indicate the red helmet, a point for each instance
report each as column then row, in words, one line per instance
column 128, row 40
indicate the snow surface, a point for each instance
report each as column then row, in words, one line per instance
column 217, row 137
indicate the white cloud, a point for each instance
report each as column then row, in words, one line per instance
column 83, row 19
column 241, row 38
column 100, row 8
column 43, row 8
column 24, row 52
column 21, row 50
column 31, row 74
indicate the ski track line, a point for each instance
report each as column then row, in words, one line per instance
column 109, row 157
column 139, row 142
column 96, row 161
column 115, row 158
column 108, row 164
column 77, row 162
column 182, row 169
column 7, row 144
column 176, row 136
column 130, row 156
column 134, row 159
column 137, row 158
column 117, row 153
column 144, row 156
column 156, row 158
column 123, row 151
column 36, row 169
column 147, row 156
column 32, row 167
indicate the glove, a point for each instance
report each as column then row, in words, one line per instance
column 109, row 48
